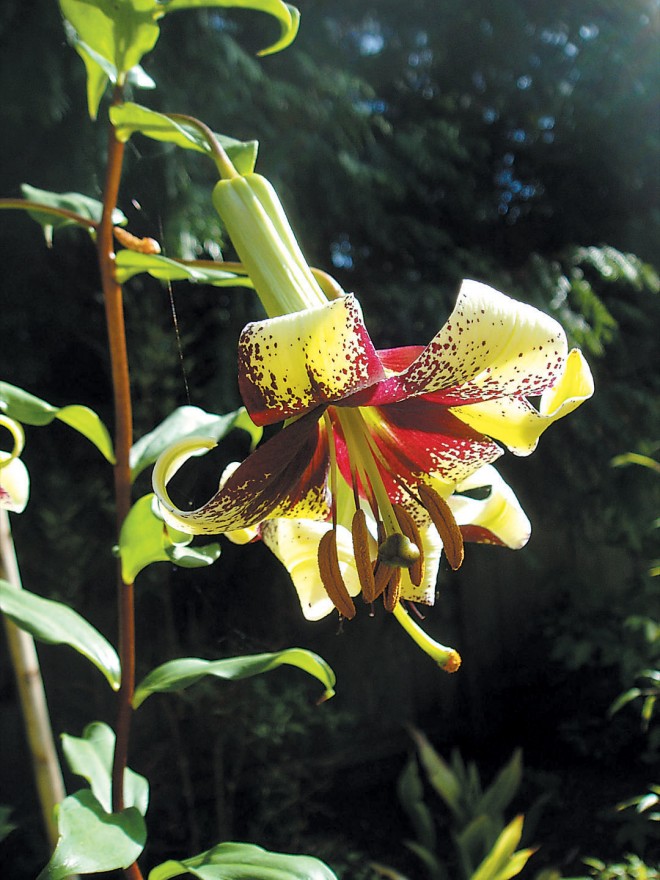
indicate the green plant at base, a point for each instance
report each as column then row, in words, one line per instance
column 485, row 846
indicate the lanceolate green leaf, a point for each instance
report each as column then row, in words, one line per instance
column 287, row 16
column 179, row 674
column 57, row 210
column 129, row 118
column 57, row 624
column 502, row 862
column 93, row 840
column 188, row 421
column 130, row 263
column 31, row 410
column 145, row 539
column 112, row 37
column 91, row 756
column 244, row 861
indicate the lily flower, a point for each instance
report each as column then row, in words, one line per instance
column 14, row 478
column 402, row 428
column 484, row 506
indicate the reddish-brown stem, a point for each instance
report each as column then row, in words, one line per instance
column 114, row 311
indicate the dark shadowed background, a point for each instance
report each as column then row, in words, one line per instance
column 413, row 145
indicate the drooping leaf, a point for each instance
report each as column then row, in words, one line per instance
column 80, row 205
column 57, row 624
column 129, row 118
column 91, row 756
column 130, row 263
column 93, row 840
column 145, row 539
column 31, row 410
column 179, row 674
column 111, row 38
column 287, row 16
column 623, row 699
column 188, row 421
column 244, row 861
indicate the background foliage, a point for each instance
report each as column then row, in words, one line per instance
column 413, row 146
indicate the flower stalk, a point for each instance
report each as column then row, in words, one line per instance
column 114, row 311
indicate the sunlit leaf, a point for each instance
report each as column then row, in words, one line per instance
column 111, row 38
column 57, row 624
column 31, row 410
column 129, row 118
column 179, row 674
column 145, row 539
column 188, row 421
column 635, row 458
column 287, row 16
column 623, row 699
column 130, row 263
column 244, row 861
column 76, row 204
column 93, row 840
column 502, row 862
column 91, row 756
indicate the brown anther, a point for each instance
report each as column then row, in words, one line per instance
column 443, row 519
column 363, row 565
column 382, row 574
column 397, row 549
column 392, row 590
column 133, row 243
column 409, row 528
column 331, row 575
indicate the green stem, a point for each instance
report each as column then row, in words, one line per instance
column 114, row 311
column 24, row 659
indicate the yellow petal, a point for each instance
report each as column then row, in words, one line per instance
column 14, row 483
column 295, row 542
column 293, row 363
column 516, row 423
column 500, row 513
column 432, row 550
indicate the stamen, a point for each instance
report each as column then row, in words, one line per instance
column 392, row 591
column 409, row 528
column 331, row 575
column 382, row 575
column 361, row 553
column 443, row 519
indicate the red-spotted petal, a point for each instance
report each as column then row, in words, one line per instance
column 294, row 363
column 284, row 477
column 516, row 423
column 491, row 346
